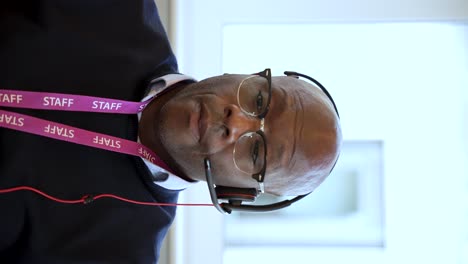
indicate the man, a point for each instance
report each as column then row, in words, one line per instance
column 301, row 128
column 119, row 50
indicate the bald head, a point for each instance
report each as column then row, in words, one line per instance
column 316, row 139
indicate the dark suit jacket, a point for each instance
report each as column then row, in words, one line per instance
column 90, row 47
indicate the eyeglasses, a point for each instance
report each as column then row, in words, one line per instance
column 250, row 149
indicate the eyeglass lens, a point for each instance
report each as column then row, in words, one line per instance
column 253, row 95
column 249, row 153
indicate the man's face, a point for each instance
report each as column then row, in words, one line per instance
column 205, row 120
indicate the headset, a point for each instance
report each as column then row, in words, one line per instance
column 236, row 196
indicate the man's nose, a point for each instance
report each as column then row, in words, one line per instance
column 238, row 123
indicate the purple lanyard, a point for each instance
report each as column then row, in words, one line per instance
column 69, row 102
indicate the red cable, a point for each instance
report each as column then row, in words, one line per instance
column 85, row 199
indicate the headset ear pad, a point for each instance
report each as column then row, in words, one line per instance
column 236, row 194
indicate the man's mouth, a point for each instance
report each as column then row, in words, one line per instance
column 198, row 121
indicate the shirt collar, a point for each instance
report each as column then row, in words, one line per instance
column 162, row 83
column 162, row 177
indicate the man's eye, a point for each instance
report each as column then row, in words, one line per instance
column 259, row 101
column 255, row 152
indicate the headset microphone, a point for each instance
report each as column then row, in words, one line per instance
column 236, row 196
column 209, row 181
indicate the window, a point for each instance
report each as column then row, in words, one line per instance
column 346, row 210
column 387, row 80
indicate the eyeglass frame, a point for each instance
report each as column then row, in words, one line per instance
column 259, row 176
